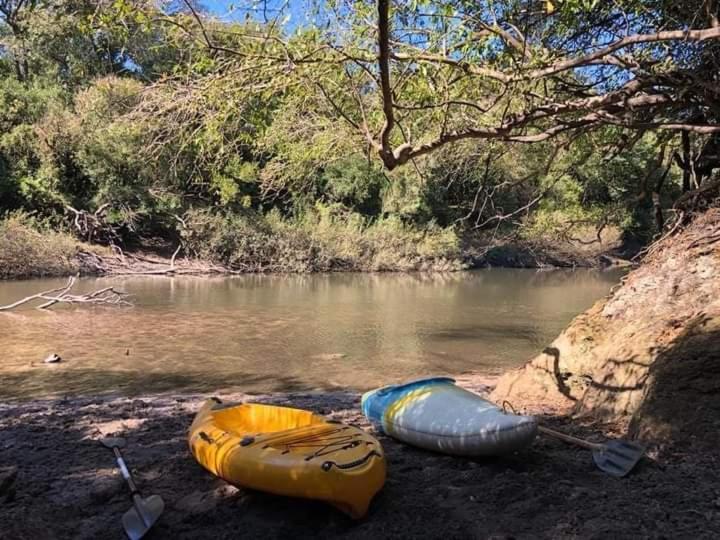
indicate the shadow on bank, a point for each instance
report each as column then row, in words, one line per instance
column 668, row 396
column 68, row 485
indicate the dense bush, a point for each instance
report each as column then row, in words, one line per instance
column 323, row 240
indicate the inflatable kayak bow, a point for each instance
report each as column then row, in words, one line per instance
column 438, row 415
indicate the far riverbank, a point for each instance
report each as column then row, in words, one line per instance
column 58, row 255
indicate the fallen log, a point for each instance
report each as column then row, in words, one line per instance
column 104, row 296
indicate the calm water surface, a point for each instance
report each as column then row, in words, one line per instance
column 263, row 333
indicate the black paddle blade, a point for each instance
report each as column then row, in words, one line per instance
column 618, row 458
column 113, row 442
column 143, row 515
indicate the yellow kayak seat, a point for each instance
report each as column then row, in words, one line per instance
column 289, row 452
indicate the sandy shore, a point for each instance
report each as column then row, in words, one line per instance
column 67, row 485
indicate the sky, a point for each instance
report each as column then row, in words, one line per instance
column 234, row 8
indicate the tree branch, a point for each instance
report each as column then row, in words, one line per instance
column 386, row 88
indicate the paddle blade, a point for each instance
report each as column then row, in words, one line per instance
column 113, row 442
column 618, row 458
column 143, row 515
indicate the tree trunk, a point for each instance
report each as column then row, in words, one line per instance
column 686, row 161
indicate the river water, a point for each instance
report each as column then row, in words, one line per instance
column 287, row 333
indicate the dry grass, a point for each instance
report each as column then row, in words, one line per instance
column 27, row 249
column 319, row 243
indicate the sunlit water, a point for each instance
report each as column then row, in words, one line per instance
column 264, row 333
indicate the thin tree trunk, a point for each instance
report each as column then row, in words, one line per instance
column 686, row 161
column 657, row 206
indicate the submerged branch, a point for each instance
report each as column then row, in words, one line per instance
column 104, row 296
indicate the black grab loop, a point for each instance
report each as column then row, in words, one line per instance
column 327, row 465
column 247, row 440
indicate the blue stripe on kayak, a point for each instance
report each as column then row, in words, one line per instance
column 376, row 402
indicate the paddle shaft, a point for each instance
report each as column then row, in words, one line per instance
column 570, row 439
column 136, row 498
column 125, row 471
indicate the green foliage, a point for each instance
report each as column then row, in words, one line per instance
column 107, row 147
column 355, row 183
column 115, row 102
column 23, row 179
column 613, row 189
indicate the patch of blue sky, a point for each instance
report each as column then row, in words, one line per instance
column 291, row 14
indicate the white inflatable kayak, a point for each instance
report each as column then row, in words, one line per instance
column 438, row 415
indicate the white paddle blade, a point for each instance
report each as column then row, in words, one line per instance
column 142, row 516
column 618, row 458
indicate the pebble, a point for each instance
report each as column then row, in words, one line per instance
column 53, row 359
column 224, row 491
column 139, row 404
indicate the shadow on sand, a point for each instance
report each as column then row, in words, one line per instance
column 68, row 486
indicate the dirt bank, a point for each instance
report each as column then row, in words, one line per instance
column 547, row 254
column 648, row 356
column 508, row 255
column 586, row 250
column 67, row 485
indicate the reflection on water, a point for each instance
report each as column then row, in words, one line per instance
column 262, row 333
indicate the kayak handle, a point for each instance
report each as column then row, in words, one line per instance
column 205, row 437
column 327, row 465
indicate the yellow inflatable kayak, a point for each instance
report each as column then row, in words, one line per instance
column 289, row 452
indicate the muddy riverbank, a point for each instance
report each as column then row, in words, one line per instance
column 67, row 485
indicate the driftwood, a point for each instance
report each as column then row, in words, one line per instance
column 136, row 264
column 61, row 295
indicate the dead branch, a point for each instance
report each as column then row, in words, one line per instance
column 106, row 296
column 172, row 260
column 93, row 226
column 133, row 264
